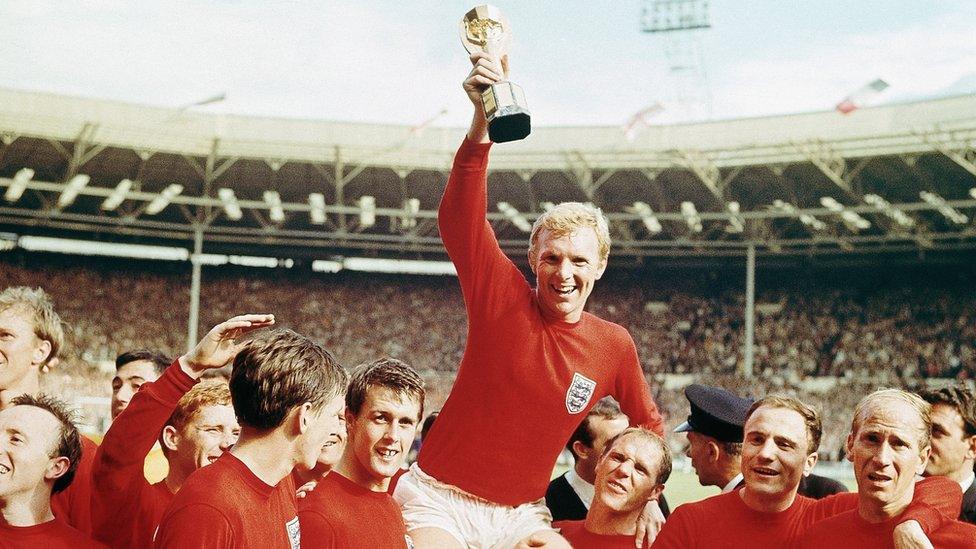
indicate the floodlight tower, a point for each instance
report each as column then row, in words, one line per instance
column 681, row 24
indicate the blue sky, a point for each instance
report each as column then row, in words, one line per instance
column 580, row 62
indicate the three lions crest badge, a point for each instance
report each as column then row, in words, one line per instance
column 579, row 394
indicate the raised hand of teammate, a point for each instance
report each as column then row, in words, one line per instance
column 221, row 344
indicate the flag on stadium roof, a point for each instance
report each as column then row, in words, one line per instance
column 863, row 95
column 640, row 120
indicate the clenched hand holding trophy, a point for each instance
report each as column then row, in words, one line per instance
column 485, row 29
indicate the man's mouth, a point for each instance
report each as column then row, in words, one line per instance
column 564, row 289
column 765, row 471
column 616, row 486
column 878, row 477
column 387, row 453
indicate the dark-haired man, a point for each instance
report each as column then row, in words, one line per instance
column 39, row 453
column 288, row 394
column 351, row 507
column 570, row 494
column 954, row 442
column 132, row 370
column 195, row 423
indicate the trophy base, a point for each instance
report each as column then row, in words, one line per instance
column 510, row 127
column 506, row 111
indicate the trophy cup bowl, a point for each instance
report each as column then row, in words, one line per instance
column 485, row 29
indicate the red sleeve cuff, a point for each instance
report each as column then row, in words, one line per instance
column 173, row 384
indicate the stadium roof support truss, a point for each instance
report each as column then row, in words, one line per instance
column 960, row 151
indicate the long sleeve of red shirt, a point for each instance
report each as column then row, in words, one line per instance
column 524, row 382
column 125, row 508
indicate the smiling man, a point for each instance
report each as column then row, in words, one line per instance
column 133, row 369
column 889, row 444
column 195, row 424
column 31, row 335
column 288, row 393
column 782, row 435
column 39, row 453
column 631, row 472
column 534, row 363
column 350, row 508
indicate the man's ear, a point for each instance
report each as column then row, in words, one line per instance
column 971, row 447
column 924, row 454
column 171, row 438
column 809, row 463
column 302, row 418
column 580, row 450
column 601, row 268
column 714, row 452
column 849, row 447
column 56, row 468
column 41, row 352
column 656, row 493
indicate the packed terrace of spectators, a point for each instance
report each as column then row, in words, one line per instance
column 869, row 328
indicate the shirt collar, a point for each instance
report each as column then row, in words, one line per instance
column 968, row 482
column 732, row 484
column 582, row 488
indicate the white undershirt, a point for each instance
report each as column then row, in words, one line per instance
column 732, row 484
column 968, row 482
column 582, row 488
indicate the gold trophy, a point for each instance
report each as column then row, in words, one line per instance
column 485, row 29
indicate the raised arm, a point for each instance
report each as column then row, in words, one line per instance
column 464, row 228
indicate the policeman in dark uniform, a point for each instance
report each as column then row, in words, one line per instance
column 715, row 441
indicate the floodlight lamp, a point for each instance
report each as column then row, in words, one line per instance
column 316, row 201
column 273, row 200
column 515, row 217
column 72, row 189
column 117, row 196
column 163, row 199
column 231, row 207
column 367, row 211
column 19, row 185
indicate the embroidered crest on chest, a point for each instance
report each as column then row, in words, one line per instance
column 579, row 394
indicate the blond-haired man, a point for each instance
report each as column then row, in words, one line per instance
column 31, row 335
column 534, row 363
column 889, row 443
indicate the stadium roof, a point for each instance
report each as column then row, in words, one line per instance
column 892, row 178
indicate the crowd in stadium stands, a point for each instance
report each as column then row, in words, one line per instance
column 889, row 336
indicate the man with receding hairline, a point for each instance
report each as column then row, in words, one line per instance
column 570, row 494
column 889, row 445
column 631, row 472
column 39, row 455
column 31, row 335
column 782, row 435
